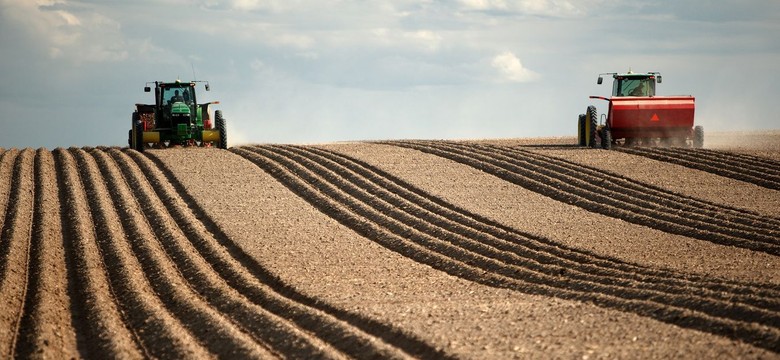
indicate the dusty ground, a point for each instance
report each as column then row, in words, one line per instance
column 517, row 248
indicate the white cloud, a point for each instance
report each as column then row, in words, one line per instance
column 555, row 8
column 427, row 39
column 83, row 37
column 510, row 67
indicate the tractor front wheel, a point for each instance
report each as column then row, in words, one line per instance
column 220, row 122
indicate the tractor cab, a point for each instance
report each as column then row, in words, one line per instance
column 633, row 84
column 175, row 104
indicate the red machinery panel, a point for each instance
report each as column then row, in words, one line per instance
column 651, row 117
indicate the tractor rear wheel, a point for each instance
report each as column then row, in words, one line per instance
column 137, row 134
column 581, row 130
column 698, row 137
column 593, row 117
column 220, row 122
column 139, row 138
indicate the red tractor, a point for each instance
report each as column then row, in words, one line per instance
column 637, row 117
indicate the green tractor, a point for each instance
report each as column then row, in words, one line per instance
column 176, row 119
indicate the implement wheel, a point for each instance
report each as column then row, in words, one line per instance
column 606, row 138
column 698, row 137
column 220, row 122
column 581, row 130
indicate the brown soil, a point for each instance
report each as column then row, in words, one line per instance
column 512, row 248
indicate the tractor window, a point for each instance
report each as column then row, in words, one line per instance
column 635, row 87
column 177, row 94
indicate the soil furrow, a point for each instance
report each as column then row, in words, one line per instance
column 7, row 159
column 515, row 261
column 702, row 210
column 563, row 191
column 753, row 166
column 417, row 203
column 255, row 305
column 100, row 323
column 15, row 251
column 162, row 334
column 350, row 333
column 46, row 328
column 460, row 262
column 266, row 328
column 734, row 171
column 638, row 199
column 217, row 333
column 764, row 164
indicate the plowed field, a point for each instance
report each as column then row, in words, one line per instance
column 519, row 248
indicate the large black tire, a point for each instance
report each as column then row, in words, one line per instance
column 698, row 137
column 606, row 138
column 581, row 130
column 592, row 116
column 220, row 122
column 137, row 133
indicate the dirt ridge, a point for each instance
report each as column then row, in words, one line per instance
column 342, row 332
column 101, row 323
column 161, row 333
column 46, row 323
column 220, row 334
column 15, row 251
column 752, row 169
column 579, row 190
column 476, row 226
column 274, row 329
column 699, row 209
column 330, row 193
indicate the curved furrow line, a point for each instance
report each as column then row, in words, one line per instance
column 415, row 202
column 213, row 330
column 517, row 262
column 725, row 169
column 265, row 327
column 161, row 334
column 563, row 191
column 7, row 159
column 351, row 333
column 101, row 323
column 637, row 201
column 261, row 309
column 46, row 327
column 704, row 210
column 765, row 164
column 15, row 251
column 461, row 262
column 752, row 165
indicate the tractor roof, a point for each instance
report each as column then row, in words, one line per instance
column 176, row 83
column 632, row 74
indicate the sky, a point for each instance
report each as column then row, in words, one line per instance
column 305, row 71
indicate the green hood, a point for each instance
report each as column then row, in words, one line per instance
column 180, row 108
